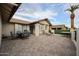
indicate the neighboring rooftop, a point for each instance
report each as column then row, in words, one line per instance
column 58, row 26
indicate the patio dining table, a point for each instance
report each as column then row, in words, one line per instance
column 20, row 35
column 23, row 34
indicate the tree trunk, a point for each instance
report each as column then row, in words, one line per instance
column 72, row 21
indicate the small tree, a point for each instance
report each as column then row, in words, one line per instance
column 72, row 15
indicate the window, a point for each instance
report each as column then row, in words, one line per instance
column 42, row 27
column 46, row 27
column 24, row 27
column 18, row 27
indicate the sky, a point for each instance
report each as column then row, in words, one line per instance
column 55, row 12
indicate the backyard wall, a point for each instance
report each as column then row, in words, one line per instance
column 0, row 30
column 77, row 45
column 73, row 35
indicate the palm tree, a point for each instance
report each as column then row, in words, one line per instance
column 72, row 15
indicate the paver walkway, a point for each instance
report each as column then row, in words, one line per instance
column 43, row 45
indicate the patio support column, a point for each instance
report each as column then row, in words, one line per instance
column 0, row 30
column 37, row 29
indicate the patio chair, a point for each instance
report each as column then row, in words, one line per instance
column 20, row 35
column 13, row 36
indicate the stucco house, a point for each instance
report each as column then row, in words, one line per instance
column 13, row 26
column 40, row 27
column 58, row 27
column 36, row 27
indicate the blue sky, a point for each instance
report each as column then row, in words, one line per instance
column 53, row 11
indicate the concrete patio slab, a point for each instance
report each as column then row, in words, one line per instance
column 43, row 45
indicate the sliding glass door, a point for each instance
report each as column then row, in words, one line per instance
column 18, row 27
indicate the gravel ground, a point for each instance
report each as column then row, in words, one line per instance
column 43, row 45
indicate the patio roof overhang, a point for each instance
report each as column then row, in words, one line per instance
column 19, row 21
column 7, row 10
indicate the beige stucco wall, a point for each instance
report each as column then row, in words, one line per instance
column 44, row 22
column 7, row 28
column 45, row 27
column 63, row 28
column 47, row 30
column 41, row 28
column 0, row 30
